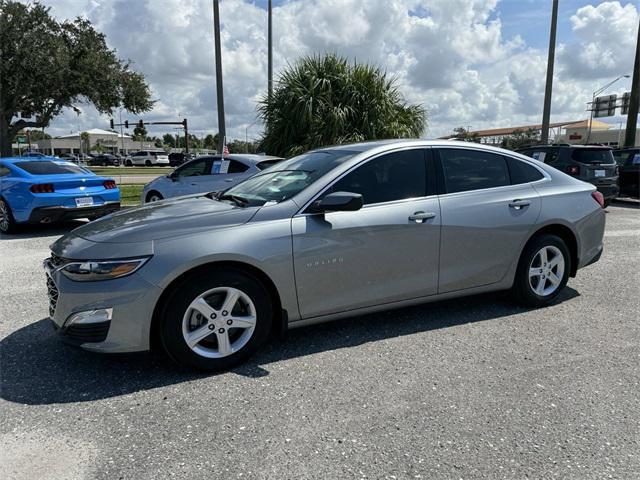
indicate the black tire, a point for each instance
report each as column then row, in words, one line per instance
column 7, row 222
column 606, row 203
column 522, row 288
column 170, row 327
column 129, row 163
column 147, row 163
column 151, row 194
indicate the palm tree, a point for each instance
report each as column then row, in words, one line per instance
column 326, row 100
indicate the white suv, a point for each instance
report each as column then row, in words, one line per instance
column 148, row 158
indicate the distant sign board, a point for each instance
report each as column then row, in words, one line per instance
column 575, row 136
column 605, row 106
column 21, row 139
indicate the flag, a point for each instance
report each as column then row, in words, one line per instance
column 225, row 149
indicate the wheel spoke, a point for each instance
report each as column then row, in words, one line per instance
column 231, row 300
column 243, row 322
column 203, row 308
column 534, row 272
column 224, row 345
column 543, row 257
column 194, row 337
column 540, row 286
column 553, row 278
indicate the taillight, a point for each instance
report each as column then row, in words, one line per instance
column 573, row 170
column 109, row 184
column 597, row 196
column 42, row 188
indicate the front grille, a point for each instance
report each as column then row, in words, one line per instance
column 91, row 332
column 52, row 292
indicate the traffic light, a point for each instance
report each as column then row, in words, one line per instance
column 626, row 101
column 111, row 123
column 126, row 124
column 140, row 124
column 605, row 106
column 184, row 123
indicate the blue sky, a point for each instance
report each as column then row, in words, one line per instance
column 451, row 56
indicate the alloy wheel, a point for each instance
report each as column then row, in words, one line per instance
column 154, row 198
column 219, row 322
column 4, row 217
column 546, row 270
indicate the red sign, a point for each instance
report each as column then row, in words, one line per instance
column 575, row 136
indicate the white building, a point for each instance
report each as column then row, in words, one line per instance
column 105, row 140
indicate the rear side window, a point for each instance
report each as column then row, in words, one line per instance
column 466, row 170
column 46, row 167
column 236, row 167
column 522, row 172
column 390, row 177
column 4, row 171
column 592, row 155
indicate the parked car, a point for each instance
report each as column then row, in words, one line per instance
column 45, row 190
column 589, row 163
column 104, row 160
column 147, row 158
column 178, row 158
column 33, row 155
column 330, row 233
column 206, row 174
column 628, row 160
column 70, row 157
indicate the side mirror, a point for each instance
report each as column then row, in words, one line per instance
column 337, row 202
column 173, row 176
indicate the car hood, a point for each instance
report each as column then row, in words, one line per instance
column 168, row 218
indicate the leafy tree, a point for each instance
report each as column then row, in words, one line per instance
column 521, row 138
column 47, row 65
column 211, row 141
column 36, row 135
column 139, row 132
column 325, row 100
column 464, row 135
column 169, row 140
column 84, row 141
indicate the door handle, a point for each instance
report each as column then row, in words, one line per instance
column 228, row 180
column 420, row 217
column 518, row 204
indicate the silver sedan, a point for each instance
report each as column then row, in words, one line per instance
column 328, row 234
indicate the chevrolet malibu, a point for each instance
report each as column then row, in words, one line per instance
column 332, row 233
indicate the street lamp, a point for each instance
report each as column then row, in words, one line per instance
column 593, row 102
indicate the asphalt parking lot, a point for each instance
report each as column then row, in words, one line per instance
column 471, row 388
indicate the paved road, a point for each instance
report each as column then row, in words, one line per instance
column 474, row 388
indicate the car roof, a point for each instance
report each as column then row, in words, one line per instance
column 29, row 159
column 566, row 145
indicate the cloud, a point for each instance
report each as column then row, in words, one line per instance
column 450, row 55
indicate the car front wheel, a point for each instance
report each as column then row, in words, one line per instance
column 543, row 271
column 7, row 222
column 154, row 196
column 216, row 320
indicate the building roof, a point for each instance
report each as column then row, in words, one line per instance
column 94, row 131
column 595, row 125
column 497, row 132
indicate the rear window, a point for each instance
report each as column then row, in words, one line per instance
column 473, row 170
column 47, row 167
column 592, row 155
column 267, row 163
column 522, row 172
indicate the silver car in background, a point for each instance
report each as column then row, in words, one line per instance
column 206, row 174
column 332, row 233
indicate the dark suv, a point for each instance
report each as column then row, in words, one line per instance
column 589, row 163
column 629, row 163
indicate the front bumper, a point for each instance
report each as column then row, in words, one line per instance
column 131, row 298
column 59, row 214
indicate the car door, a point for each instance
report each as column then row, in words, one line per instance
column 192, row 177
column 485, row 218
column 385, row 252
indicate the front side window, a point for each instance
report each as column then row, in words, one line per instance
column 466, row 170
column 195, row 168
column 4, row 171
column 390, row 177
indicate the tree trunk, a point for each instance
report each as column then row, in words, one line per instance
column 6, row 137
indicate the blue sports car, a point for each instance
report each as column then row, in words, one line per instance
column 47, row 189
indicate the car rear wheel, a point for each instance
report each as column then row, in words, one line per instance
column 129, row 163
column 216, row 320
column 147, row 163
column 154, row 196
column 7, row 222
column 543, row 271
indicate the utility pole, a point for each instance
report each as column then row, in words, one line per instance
column 216, row 33
column 634, row 99
column 546, row 114
column 121, row 134
column 269, row 53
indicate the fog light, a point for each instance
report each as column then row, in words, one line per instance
column 90, row 316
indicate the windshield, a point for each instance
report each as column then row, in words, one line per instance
column 592, row 155
column 46, row 167
column 287, row 178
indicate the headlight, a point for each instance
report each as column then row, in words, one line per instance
column 102, row 270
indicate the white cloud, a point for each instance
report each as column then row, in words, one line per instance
column 449, row 55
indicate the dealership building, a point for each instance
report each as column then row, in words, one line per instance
column 108, row 141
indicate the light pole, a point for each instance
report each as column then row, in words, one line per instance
column 121, row 134
column 219, row 90
column 593, row 103
column 546, row 112
column 269, row 52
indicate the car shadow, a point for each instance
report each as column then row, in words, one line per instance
column 43, row 230
column 38, row 368
column 630, row 203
